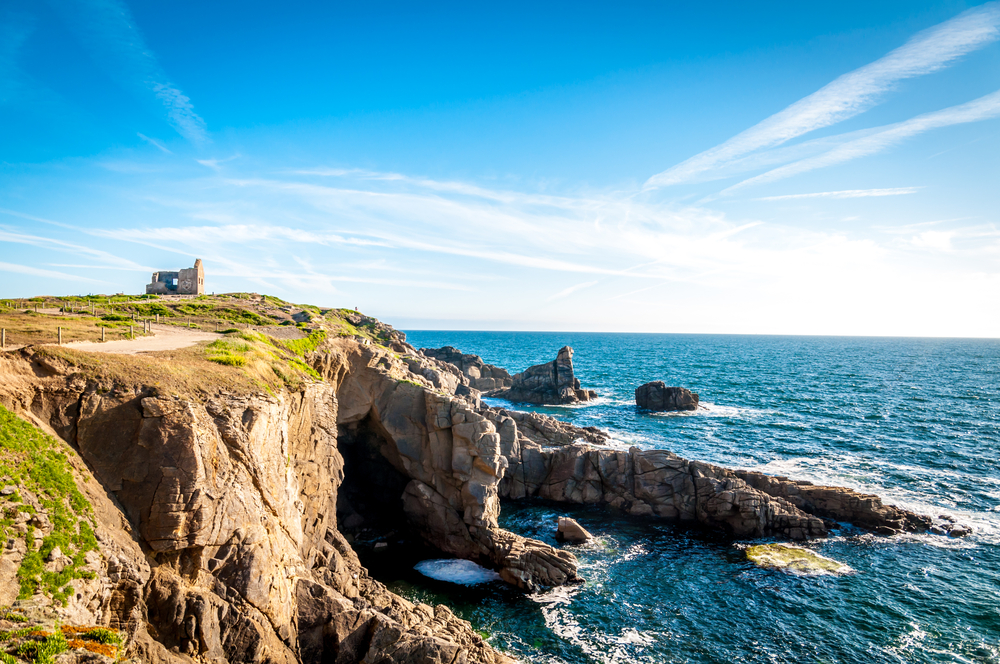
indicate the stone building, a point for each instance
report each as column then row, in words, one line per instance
column 190, row 281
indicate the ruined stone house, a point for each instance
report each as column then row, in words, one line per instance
column 190, row 281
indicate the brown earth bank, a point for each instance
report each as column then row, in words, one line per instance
column 224, row 484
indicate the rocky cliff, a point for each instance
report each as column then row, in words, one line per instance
column 482, row 376
column 216, row 517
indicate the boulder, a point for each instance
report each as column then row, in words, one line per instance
column 571, row 531
column 549, row 383
column 656, row 396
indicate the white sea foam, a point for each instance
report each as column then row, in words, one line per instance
column 454, row 570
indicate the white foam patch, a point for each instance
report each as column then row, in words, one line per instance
column 453, row 570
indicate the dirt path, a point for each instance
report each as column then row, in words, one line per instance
column 166, row 337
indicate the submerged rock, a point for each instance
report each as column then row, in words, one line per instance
column 656, row 396
column 795, row 560
column 571, row 531
column 549, row 383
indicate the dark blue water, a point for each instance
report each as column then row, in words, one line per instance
column 916, row 421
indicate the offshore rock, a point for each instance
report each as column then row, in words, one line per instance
column 549, row 383
column 656, row 396
column 481, row 376
column 569, row 530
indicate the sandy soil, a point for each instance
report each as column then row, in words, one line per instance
column 166, row 337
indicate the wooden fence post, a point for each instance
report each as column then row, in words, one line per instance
column 103, row 329
column 60, row 335
column 3, row 338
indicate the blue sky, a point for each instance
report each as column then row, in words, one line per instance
column 820, row 168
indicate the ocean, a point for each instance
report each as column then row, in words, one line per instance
column 916, row 421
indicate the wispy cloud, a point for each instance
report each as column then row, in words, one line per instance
column 216, row 164
column 569, row 291
column 847, row 193
column 155, row 143
column 851, row 94
column 984, row 108
column 50, row 274
column 108, row 28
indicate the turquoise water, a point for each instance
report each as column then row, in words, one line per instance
column 916, row 421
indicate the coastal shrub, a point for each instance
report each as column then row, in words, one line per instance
column 153, row 309
column 7, row 614
column 103, row 635
column 115, row 318
column 43, row 652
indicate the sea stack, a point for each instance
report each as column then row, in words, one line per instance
column 656, row 396
column 549, row 383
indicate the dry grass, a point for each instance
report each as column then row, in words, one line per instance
column 185, row 372
column 31, row 328
column 247, row 363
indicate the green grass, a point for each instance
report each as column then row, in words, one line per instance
column 302, row 346
column 40, row 464
column 263, row 357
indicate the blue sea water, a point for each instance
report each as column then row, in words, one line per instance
column 916, row 421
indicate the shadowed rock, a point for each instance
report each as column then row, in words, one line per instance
column 656, row 396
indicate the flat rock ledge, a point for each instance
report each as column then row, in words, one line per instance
column 552, row 383
column 657, row 397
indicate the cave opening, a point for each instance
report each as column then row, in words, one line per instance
column 370, row 503
column 370, row 500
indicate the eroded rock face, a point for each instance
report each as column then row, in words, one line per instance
column 483, row 377
column 656, row 396
column 840, row 504
column 549, row 383
column 453, row 457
